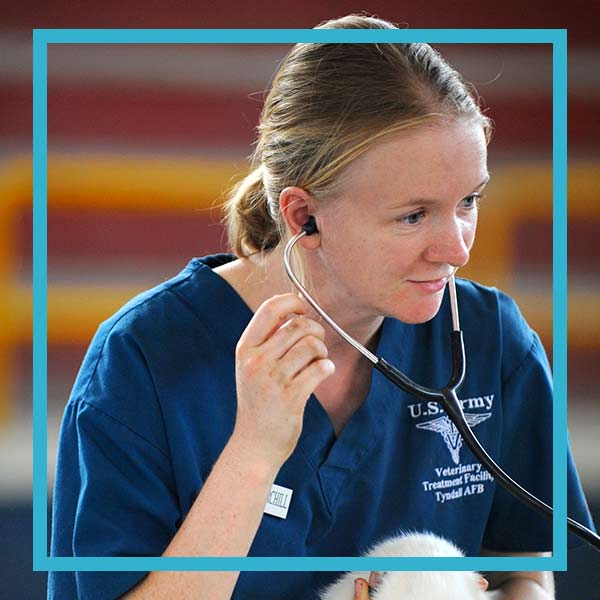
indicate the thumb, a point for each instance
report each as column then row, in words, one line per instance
column 361, row 589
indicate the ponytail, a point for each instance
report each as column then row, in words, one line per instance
column 250, row 226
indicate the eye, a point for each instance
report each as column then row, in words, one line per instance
column 413, row 219
column 471, row 201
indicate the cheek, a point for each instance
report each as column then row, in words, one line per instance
column 367, row 253
column 469, row 231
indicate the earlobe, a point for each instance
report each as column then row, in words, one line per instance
column 297, row 209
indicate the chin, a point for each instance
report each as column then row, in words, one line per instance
column 416, row 320
column 423, row 312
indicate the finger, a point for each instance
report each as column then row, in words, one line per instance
column 269, row 317
column 289, row 333
column 374, row 579
column 309, row 379
column 361, row 589
column 299, row 356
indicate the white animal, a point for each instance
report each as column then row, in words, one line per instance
column 414, row 585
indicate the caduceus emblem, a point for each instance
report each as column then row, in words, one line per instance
column 446, row 428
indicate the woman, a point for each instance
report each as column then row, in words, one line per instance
column 202, row 394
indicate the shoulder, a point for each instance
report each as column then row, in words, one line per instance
column 148, row 335
column 122, row 332
column 487, row 299
column 165, row 307
column 175, row 293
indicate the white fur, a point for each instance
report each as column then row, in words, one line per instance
column 413, row 585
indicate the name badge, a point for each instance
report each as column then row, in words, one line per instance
column 278, row 501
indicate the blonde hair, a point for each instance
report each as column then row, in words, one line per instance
column 327, row 105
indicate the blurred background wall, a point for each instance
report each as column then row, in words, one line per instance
column 143, row 139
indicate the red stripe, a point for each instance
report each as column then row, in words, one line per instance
column 532, row 247
column 114, row 115
column 580, row 18
column 150, row 116
column 85, row 235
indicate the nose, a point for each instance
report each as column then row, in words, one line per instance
column 451, row 243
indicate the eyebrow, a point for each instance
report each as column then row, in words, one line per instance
column 484, row 182
column 435, row 200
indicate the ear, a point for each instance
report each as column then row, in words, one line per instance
column 296, row 206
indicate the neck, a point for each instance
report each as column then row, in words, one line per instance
column 266, row 276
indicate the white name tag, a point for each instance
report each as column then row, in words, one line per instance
column 278, row 501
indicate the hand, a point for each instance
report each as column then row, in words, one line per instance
column 280, row 360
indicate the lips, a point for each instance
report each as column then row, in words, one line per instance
column 431, row 286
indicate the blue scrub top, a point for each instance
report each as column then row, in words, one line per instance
column 154, row 405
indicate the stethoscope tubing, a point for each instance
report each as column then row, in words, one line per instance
column 446, row 396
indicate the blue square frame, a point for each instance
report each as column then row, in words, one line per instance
column 41, row 38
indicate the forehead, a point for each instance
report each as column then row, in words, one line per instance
column 438, row 161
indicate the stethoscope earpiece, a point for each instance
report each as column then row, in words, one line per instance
column 310, row 226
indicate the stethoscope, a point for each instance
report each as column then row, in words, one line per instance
column 446, row 396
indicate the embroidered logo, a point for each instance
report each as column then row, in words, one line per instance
column 446, row 428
